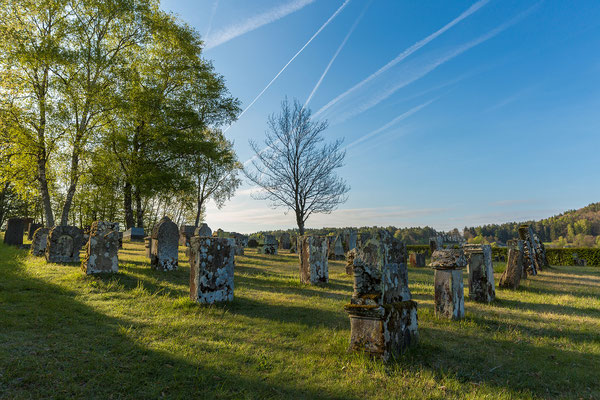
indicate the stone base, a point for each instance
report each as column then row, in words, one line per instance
column 383, row 331
column 212, row 262
column 449, row 293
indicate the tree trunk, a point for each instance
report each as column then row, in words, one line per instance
column 199, row 211
column 44, row 192
column 127, row 205
column 300, row 222
column 139, row 211
column 64, row 219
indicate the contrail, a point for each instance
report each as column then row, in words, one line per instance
column 213, row 11
column 336, row 54
column 412, row 76
column 405, row 54
column 391, row 123
column 255, row 22
column 335, row 14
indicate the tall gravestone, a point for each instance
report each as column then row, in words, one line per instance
column 15, row 228
column 350, row 262
column 383, row 318
column 312, row 252
column 338, row 249
column 511, row 277
column 64, row 244
column 294, row 244
column 349, row 239
column 268, row 245
column 164, row 252
column 102, row 248
column 285, row 242
column 185, row 233
column 39, row 241
column 435, row 243
column 530, row 259
column 212, row 263
column 481, row 272
column 448, row 283
column 203, row 230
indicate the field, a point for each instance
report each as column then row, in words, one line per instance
column 136, row 335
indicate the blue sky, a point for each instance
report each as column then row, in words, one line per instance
column 455, row 113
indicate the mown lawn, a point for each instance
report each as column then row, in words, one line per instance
column 136, row 335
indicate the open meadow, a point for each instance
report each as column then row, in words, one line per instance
column 136, row 334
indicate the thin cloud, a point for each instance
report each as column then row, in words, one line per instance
column 335, row 14
column 213, row 11
column 255, row 22
column 337, row 52
column 405, row 54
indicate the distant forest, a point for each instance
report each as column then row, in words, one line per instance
column 574, row 228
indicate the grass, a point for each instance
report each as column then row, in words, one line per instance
column 136, row 335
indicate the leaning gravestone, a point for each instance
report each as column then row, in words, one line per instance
column 31, row 229
column 212, row 262
column 383, row 318
column 448, row 283
column 15, row 228
column 285, row 242
column 164, row 251
column 102, row 248
column 134, row 235
column 64, row 244
column 39, row 241
column 511, row 277
column 481, row 272
column 531, row 260
column 268, row 246
column 312, row 252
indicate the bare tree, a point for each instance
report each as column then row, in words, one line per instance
column 295, row 169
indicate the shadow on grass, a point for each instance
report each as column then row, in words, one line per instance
column 55, row 346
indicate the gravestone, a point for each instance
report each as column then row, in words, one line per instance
column 164, row 250
column 481, row 272
column 148, row 246
column 511, row 277
column 294, row 244
column 435, row 243
column 383, row 318
column 350, row 262
column 212, row 264
column 203, row 230
column 64, row 244
column 312, row 252
column 252, row 243
column 39, row 241
column 185, row 233
column 134, row 235
column 31, row 229
column 268, row 245
column 338, row 249
column 349, row 239
column 285, row 242
column 416, row 260
column 448, row 283
column 15, row 229
column 102, row 248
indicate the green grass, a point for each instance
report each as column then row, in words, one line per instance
column 136, row 335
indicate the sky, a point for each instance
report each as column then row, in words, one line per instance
column 454, row 113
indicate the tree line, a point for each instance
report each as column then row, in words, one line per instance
column 109, row 111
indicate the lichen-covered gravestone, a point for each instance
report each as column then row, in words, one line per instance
column 285, row 242
column 212, row 262
column 312, row 252
column 39, row 241
column 102, row 248
column 530, row 258
column 511, row 277
column 350, row 262
column 383, row 318
column 164, row 251
column 349, row 239
column 481, row 272
column 203, row 230
column 64, row 244
column 15, row 228
column 268, row 245
column 435, row 243
column 448, row 283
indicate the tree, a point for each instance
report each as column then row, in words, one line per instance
column 295, row 169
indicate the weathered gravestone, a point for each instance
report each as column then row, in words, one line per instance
column 435, row 243
column 350, row 262
column 383, row 318
column 64, row 244
column 39, row 241
column 15, row 228
column 211, row 269
column 481, row 272
column 31, row 229
column 349, row 239
column 448, row 283
column 185, row 233
column 312, row 252
column 416, row 260
column 268, row 245
column 338, row 249
column 164, row 245
column 285, row 242
column 511, row 277
column 294, row 245
column 203, row 230
column 134, row 235
column 533, row 258
column 252, row 243
column 102, row 248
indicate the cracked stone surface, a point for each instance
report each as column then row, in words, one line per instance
column 164, row 246
column 312, row 253
column 64, row 244
column 39, row 241
column 212, row 262
column 481, row 272
column 102, row 249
